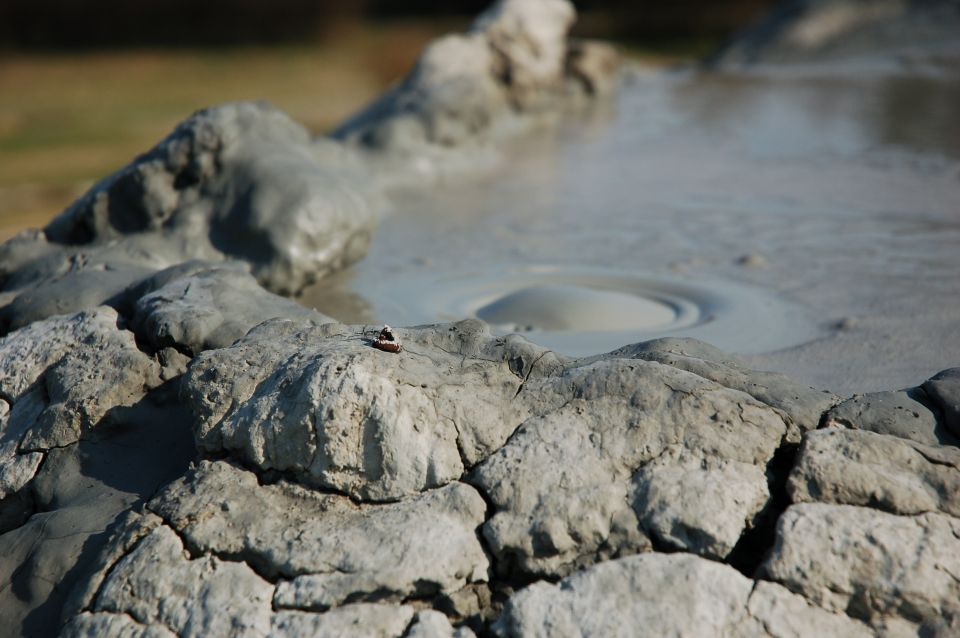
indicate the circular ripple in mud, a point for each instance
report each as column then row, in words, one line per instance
column 577, row 312
column 557, row 307
column 580, row 312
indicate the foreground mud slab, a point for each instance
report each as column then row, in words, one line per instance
column 648, row 591
column 468, row 467
column 185, row 452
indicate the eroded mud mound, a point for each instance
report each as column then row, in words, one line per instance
column 183, row 452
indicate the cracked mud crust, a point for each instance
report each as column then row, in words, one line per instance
column 184, row 452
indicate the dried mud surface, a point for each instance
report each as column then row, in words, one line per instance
column 185, row 451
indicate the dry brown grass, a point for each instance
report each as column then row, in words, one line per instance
column 67, row 119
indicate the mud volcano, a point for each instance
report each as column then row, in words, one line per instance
column 588, row 265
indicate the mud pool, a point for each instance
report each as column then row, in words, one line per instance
column 807, row 218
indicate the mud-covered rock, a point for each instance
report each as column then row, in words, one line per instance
column 158, row 583
column 854, row 467
column 16, row 508
column 322, row 406
column 367, row 620
column 65, row 374
column 358, row 620
column 564, row 485
column 210, row 308
column 60, row 378
column 666, row 595
column 240, row 181
column 432, row 624
column 79, row 493
column 41, row 560
column 198, row 566
column 800, row 405
column 511, row 68
column 871, row 564
column 320, row 403
column 905, row 414
column 699, row 505
column 130, row 529
column 16, row 469
column 943, row 390
column 328, row 549
column 76, row 289
column 87, row 625
column 243, row 181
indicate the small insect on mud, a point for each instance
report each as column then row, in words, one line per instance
column 387, row 341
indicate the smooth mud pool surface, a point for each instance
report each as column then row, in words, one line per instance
column 807, row 217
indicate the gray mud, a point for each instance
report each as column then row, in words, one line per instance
column 203, row 457
column 816, row 208
column 581, row 311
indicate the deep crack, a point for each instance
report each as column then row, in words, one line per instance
column 756, row 542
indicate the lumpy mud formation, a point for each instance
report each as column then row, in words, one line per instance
column 202, row 433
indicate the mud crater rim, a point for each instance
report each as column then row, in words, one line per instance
column 579, row 312
column 559, row 306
